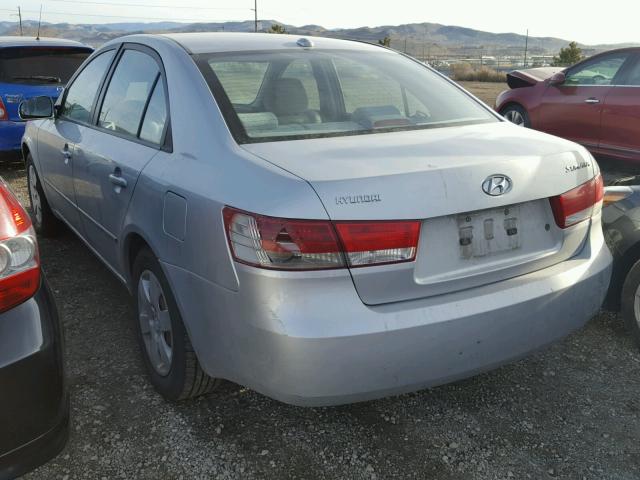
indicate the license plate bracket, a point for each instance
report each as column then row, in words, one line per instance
column 489, row 232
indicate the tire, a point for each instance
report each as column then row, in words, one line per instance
column 516, row 114
column 172, row 364
column 44, row 221
column 631, row 302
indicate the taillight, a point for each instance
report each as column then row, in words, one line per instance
column 3, row 111
column 287, row 244
column 19, row 262
column 375, row 243
column 577, row 205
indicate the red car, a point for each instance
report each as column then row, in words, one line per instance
column 595, row 102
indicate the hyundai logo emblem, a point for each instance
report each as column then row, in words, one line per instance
column 497, row 185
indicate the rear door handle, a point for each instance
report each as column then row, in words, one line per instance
column 66, row 153
column 117, row 180
column 592, row 100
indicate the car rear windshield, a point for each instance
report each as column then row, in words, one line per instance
column 40, row 65
column 310, row 93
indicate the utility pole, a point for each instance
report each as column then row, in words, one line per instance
column 255, row 15
column 526, row 46
column 20, row 20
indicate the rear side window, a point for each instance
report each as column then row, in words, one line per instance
column 128, row 91
column 364, row 86
column 240, row 80
column 40, row 65
column 155, row 118
column 302, row 71
column 80, row 96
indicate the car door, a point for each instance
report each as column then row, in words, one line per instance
column 130, row 128
column 621, row 116
column 57, row 138
column 573, row 109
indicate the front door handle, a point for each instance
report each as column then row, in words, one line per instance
column 592, row 100
column 117, row 180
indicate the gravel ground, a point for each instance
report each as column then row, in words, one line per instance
column 571, row 411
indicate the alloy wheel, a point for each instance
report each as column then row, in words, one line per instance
column 515, row 117
column 155, row 323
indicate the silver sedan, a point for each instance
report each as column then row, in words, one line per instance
column 323, row 221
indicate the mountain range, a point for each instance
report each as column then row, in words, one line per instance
column 419, row 39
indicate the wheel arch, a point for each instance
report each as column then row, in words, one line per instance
column 26, row 150
column 621, row 268
column 134, row 241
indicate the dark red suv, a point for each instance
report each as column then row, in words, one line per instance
column 595, row 102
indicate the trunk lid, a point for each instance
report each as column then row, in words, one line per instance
column 437, row 176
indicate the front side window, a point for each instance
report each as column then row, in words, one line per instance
column 241, row 80
column 129, row 88
column 319, row 93
column 80, row 96
column 601, row 71
column 364, row 86
column 302, row 71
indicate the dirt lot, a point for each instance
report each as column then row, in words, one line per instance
column 572, row 411
column 485, row 91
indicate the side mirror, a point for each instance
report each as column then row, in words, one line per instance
column 36, row 107
column 558, row 79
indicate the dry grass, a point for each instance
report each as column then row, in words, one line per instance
column 466, row 72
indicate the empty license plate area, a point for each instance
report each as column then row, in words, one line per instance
column 488, row 232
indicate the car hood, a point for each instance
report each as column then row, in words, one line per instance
column 408, row 174
column 530, row 76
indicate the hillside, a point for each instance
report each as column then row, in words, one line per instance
column 416, row 38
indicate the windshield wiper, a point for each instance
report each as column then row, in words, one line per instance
column 44, row 78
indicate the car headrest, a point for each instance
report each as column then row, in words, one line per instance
column 287, row 96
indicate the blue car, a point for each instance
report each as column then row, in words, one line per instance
column 31, row 67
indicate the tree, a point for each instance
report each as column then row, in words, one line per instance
column 386, row 41
column 568, row 56
column 275, row 28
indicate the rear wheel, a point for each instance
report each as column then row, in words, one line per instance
column 517, row 115
column 631, row 301
column 168, row 354
column 44, row 221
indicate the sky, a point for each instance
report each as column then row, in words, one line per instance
column 588, row 22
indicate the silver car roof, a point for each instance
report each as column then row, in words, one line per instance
column 15, row 41
column 214, row 42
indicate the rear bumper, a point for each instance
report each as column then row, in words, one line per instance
column 311, row 341
column 11, row 136
column 34, row 405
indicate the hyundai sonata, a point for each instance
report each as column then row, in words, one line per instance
column 324, row 221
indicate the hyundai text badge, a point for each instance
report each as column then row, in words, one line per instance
column 497, row 185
